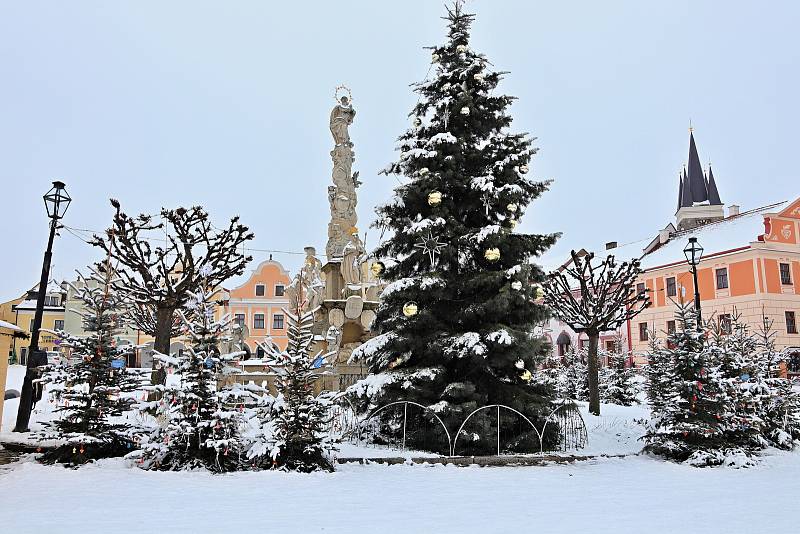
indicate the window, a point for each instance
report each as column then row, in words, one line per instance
column 791, row 323
column 52, row 300
column 786, row 275
column 258, row 321
column 640, row 288
column 722, row 278
column 642, row 331
column 610, row 345
column 672, row 288
column 277, row 321
column 280, row 290
column 671, row 329
column 260, row 290
column 725, row 323
column 238, row 319
column 58, row 324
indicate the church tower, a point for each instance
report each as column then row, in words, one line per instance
column 698, row 198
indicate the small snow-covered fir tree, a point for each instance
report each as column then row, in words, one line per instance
column 658, row 374
column 93, row 393
column 689, row 424
column 619, row 386
column 732, row 349
column 456, row 321
column 198, row 426
column 780, row 413
column 299, row 440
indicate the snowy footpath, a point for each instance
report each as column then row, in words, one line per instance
column 614, row 495
column 636, row 494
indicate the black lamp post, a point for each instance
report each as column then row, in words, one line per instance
column 693, row 253
column 56, row 201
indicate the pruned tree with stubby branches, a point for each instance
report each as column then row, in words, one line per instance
column 593, row 298
column 159, row 274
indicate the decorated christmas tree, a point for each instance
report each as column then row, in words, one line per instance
column 689, row 422
column 299, row 441
column 458, row 315
column 780, row 413
column 198, row 426
column 93, row 393
column 619, row 386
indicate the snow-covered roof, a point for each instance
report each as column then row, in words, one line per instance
column 30, row 304
column 727, row 234
column 10, row 326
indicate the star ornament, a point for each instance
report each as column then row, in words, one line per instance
column 431, row 246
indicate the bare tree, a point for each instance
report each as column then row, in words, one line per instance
column 158, row 279
column 593, row 299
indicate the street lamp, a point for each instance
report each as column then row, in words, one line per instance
column 694, row 252
column 56, row 202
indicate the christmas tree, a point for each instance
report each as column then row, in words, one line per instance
column 689, row 422
column 93, row 393
column 299, row 440
column 619, row 386
column 780, row 413
column 458, row 315
column 198, row 426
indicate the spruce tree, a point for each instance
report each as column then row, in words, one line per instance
column 198, row 426
column 689, row 423
column 299, row 441
column 93, row 393
column 458, row 316
column 619, row 386
column 780, row 413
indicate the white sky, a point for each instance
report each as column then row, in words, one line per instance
column 225, row 104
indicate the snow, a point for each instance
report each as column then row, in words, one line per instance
column 633, row 494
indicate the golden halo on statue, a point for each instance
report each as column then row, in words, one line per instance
column 338, row 93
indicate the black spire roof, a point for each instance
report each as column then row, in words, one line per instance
column 713, row 194
column 695, row 187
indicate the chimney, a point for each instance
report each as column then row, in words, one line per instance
column 733, row 210
column 663, row 235
column 611, row 244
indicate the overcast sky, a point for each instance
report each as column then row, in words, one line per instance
column 225, row 104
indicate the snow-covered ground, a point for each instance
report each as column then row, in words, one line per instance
column 615, row 495
column 611, row 495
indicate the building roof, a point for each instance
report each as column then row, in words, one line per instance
column 10, row 326
column 732, row 233
column 694, row 186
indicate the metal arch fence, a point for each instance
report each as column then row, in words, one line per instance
column 572, row 433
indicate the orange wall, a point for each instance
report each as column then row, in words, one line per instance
column 705, row 279
column 796, row 276
column 772, row 275
column 741, row 278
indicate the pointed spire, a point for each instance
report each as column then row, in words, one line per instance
column 711, row 186
column 696, row 183
column 680, row 191
column 686, row 196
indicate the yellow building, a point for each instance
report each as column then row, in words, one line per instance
column 7, row 331
column 20, row 312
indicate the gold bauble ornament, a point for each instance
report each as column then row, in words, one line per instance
column 512, row 223
column 465, row 110
column 516, row 285
column 461, row 48
column 377, row 268
column 512, row 207
column 424, row 171
column 492, row 254
column 435, row 57
column 417, row 122
column 410, row 309
column 538, row 292
column 434, row 198
column 523, row 169
column 526, row 376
